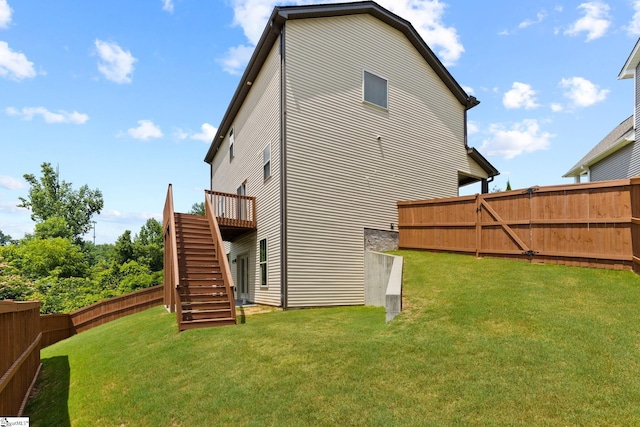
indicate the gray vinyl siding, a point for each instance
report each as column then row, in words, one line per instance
column 256, row 124
column 624, row 163
column 340, row 177
column 636, row 111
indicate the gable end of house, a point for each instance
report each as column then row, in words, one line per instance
column 273, row 29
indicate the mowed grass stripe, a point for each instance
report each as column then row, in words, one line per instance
column 480, row 342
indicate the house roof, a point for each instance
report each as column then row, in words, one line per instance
column 274, row 26
column 629, row 67
column 622, row 135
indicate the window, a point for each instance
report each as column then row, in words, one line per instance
column 266, row 162
column 231, row 141
column 263, row 262
column 375, row 89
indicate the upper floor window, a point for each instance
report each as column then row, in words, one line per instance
column 231, row 141
column 375, row 89
column 266, row 162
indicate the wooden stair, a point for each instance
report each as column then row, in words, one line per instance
column 202, row 293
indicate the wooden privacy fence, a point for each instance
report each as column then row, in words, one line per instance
column 593, row 224
column 56, row 327
column 23, row 332
column 19, row 354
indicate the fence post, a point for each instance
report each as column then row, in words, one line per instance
column 635, row 221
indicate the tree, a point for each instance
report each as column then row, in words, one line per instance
column 124, row 248
column 49, row 197
column 5, row 239
column 197, row 209
column 55, row 257
column 508, row 186
column 148, row 245
column 54, row 226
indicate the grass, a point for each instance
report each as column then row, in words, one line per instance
column 480, row 342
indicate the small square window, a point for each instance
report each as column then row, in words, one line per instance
column 263, row 262
column 266, row 162
column 375, row 90
column 231, row 141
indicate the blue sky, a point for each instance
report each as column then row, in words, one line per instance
column 125, row 96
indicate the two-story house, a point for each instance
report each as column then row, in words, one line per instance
column 343, row 110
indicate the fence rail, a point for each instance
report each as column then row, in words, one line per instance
column 593, row 224
column 20, row 349
column 56, row 327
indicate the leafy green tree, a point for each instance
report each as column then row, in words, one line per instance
column 148, row 245
column 55, row 226
column 137, row 276
column 49, row 197
column 55, row 257
column 124, row 248
column 5, row 239
column 508, row 186
column 197, row 209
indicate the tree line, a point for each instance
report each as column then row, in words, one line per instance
column 54, row 265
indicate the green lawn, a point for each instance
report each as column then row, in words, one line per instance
column 480, row 342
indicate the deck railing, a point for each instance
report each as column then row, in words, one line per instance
column 220, row 253
column 171, row 276
column 233, row 210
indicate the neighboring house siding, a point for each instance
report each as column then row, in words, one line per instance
column 256, row 124
column 340, row 178
column 615, row 166
column 636, row 111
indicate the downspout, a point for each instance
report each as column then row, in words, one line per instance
column 466, row 145
column 283, row 173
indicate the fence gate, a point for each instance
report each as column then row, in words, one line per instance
column 579, row 224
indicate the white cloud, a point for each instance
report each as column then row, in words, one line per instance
column 581, row 92
column 145, row 130
column 5, row 14
column 595, row 22
column 425, row 15
column 60, row 116
column 11, row 183
column 206, row 135
column 634, row 26
column 521, row 95
column 237, row 57
column 167, row 6
column 468, row 89
column 113, row 215
column 14, row 65
column 528, row 22
column 472, row 128
column 556, row 107
column 116, row 64
column 522, row 137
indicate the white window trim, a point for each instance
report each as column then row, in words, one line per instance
column 265, row 262
column 232, row 140
column 387, row 92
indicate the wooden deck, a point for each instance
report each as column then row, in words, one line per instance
column 236, row 214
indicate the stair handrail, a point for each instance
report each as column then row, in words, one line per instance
column 220, row 252
column 171, row 274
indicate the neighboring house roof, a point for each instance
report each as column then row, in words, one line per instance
column 622, row 135
column 273, row 28
column 629, row 67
